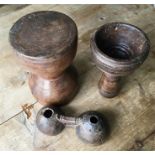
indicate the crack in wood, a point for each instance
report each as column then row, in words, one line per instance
column 141, row 89
column 24, row 110
column 139, row 144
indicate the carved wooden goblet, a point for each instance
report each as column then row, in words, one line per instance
column 117, row 49
column 45, row 43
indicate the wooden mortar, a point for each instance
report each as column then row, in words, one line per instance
column 45, row 43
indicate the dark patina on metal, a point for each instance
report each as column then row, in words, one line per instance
column 117, row 49
column 47, row 122
column 91, row 126
column 45, row 43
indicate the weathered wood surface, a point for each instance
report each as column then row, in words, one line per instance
column 131, row 114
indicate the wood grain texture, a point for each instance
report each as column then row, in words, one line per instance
column 131, row 114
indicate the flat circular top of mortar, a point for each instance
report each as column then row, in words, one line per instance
column 43, row 34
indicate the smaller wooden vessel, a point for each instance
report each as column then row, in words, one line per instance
column 117, row 49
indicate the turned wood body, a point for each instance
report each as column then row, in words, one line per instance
column 45, row 43
column 109, row 85
column 117, row 49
